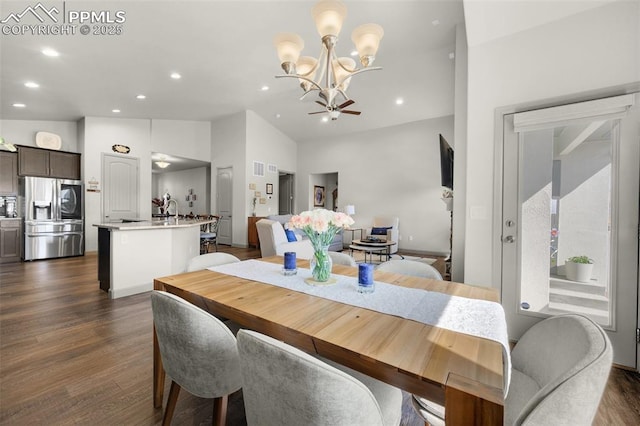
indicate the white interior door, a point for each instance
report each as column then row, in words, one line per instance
column 570, row 188
column 120, row 198
column 224, row 185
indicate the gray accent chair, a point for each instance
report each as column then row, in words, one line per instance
column 285, row 386
column 199, row 353
column 560, row 370
column 410, row 267
column 208, row 260
column 339, row 258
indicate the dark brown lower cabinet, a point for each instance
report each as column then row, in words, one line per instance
column 10, row 240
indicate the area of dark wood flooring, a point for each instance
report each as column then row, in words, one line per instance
column 71, row 355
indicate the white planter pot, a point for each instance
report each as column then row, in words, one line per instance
column 580, row 272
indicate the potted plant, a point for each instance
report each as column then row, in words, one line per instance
column 579, row 268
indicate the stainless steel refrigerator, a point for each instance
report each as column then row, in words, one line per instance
column 53, row 217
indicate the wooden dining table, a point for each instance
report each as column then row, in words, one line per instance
column 460, row 371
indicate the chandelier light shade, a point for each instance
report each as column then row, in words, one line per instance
column 343, row 68
column 329, row 16
column 367, row 40
column 307, row 66
column 289, row 46
column 329, row 75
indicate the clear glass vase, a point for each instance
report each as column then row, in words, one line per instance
column 321, row 264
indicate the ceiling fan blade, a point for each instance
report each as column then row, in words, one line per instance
column 324, row 105
column 351, row 112
column 317, row 112
column 346, row 104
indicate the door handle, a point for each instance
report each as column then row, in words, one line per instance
column 508, row 239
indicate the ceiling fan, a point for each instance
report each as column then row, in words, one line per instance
column 334, row 111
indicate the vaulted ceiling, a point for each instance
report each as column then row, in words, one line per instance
column 225, row 55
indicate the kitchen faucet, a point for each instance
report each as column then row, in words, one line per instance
column 169, row 204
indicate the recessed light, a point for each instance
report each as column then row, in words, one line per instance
column 141, row 97
column 32, row 85
column 452, row 55
column 264, row 88
column 325, row 119
column 18, row 105
column 278, row 115
column 50, row 52
column 399, row 101
column 115, row 110
column 175, row 76
column 435, row 22
column 354, row 53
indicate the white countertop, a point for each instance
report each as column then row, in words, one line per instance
column 153, row 224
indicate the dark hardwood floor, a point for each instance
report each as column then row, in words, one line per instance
column 70, row 355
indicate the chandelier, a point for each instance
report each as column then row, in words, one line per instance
column 334, row 73
column 162, row 161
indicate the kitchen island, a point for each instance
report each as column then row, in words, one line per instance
column 132, row 254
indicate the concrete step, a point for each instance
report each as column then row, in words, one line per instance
column 601, row 317
column 587, row 288
column 578, row 298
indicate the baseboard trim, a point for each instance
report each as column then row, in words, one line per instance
column 130, row 291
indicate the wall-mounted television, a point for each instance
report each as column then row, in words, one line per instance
column 446, row 163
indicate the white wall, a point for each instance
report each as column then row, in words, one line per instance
column 186, row 139
column 593, row 50
column 99, row 134
column 460, row 156
column 228, row 149
column 331, row 184
column 179, row 183
column 23, row 132
column 584, row 206
column 326, row 180
column 269, row 145
column 392, row 171
column 181, row 138
column 535, row 183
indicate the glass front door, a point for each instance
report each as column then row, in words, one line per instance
column 565, row 192
column 570, row 219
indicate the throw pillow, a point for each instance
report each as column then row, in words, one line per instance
column 291, row 236
column 380, row 231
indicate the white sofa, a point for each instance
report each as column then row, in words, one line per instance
column 336, row 244
column 273, row 241
column 389, row 234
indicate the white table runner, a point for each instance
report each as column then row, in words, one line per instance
column 480, row 318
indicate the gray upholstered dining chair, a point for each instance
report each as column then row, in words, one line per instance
column 199, row 353
column 342, row 259
column 410, row 267
column 210, row 259
column 560, row 369
column 285, row 386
